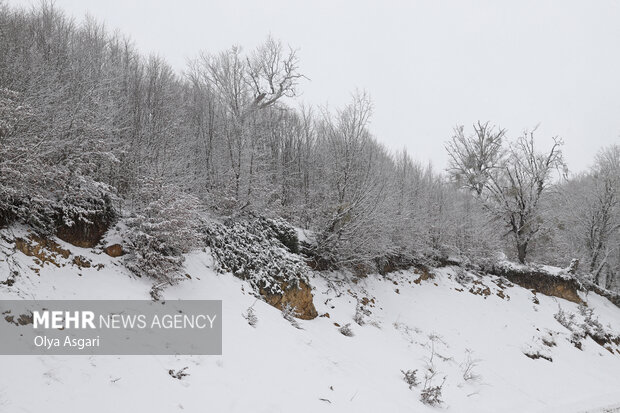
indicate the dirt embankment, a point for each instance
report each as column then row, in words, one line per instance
column 298, row 298
column 541, row 281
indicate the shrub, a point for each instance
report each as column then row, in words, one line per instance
column 432, row 395
column 46, row 180
column 289, row 313
column 86, row 201
column 161, row 230
column 345, row 330
column 410, row 378
column 178, row 374
column 252, row 250
column 283, row 231
column 591, row 325
column 360, row 313
column 462, row 277
column 250, row 316
column 583, row 325
column 468, row 367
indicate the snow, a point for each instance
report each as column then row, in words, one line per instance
column 274, row 367
column 305, row 235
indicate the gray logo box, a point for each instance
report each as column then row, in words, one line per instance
column 115, row 327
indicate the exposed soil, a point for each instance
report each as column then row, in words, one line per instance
column 45, row 250
column 542, row 282
column 298, row 298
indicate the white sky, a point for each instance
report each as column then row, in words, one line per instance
column 428, row 65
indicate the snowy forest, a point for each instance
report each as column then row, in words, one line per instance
column 92, row 131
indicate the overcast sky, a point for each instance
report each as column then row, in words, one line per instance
column 428, row 65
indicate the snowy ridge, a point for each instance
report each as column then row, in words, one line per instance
column 399, row 322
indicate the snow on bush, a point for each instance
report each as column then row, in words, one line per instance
column 283, row 231
column 361, row 312
column 289, row 313
column 253, row 249
column 410, row 378
column 432, row 395
column 161, row 230
column 86, row 200
column 537, row 349
column 46, row 183
column 250, row 316
column 346, row 330
column 586, row 324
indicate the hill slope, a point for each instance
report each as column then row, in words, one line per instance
column 408, row 323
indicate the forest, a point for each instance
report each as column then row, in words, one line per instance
column 93, row 132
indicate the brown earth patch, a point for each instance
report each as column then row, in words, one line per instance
column 503, row 296
column 299, row 298
column 114, row 250
column 82, row 234
column 82, row 262
column 478, row 288
column 542, row 282
column 424, row 273
column 44, row 250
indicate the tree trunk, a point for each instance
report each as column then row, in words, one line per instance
column 521, row 251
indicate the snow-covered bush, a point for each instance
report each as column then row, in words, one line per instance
column 250, row 316
column 538, row 349
column 410, row 378
column 178, row 374
column 431, row 395
column 161, row 230
column 585, row 324
column 568, row 321
column 46, row 183
column 251, row 249
column 462, row 277
column 346, row 330
column 284, row 232
column 591, row 325
column 87, row 201
column 360, row 313
column 53, row 198
column 289, row 313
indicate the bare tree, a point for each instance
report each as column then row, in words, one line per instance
column 602, row 211
column 473, row 158
column 272, row 73
column 246, row 85
column 511, row 184
column 357, row 180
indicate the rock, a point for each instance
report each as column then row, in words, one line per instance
column 114, row 250
column 298, row 298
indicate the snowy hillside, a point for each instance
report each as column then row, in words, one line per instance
column 494, row 345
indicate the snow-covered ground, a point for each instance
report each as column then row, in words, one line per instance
column 275, row 367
